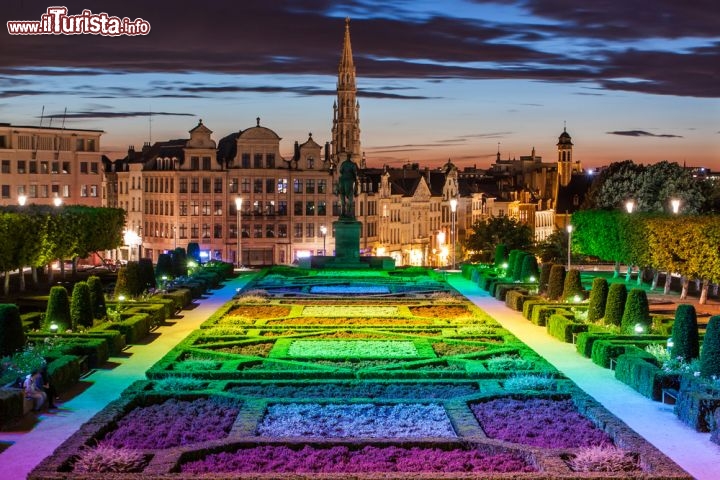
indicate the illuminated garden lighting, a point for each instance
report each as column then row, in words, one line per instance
column 577, row 299
column 630, row 206
column 639, row 328
column 57, row 201
column 191, row 264
column 22, row 200
column 675, row 203
column 121, row 298
column 54, row 327
column 531, row 279
column 504, row 266
column 670, row 343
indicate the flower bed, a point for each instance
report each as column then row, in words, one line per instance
column 356, row 390
column 259, row 311
column 352, row 349
column 344, row 321
column 539, row 422
column 349, row 311
column 255, row 349
column 440, row 311
column 173, row 423
column 356, row 421
column 349, row 289
column 341, row 459
column 443, row 349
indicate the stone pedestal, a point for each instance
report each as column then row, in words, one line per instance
column 347, row 240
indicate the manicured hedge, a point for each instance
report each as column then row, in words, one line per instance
column 81, row 312
column 572, row 285
column 686, row 343
column 135, row 326
column 64, row 372
column 697, row 403
column 598, row 299
column 181, row 298
column 12, row 337
column 11, row 405
column 586, row 340
column 545, row 269
column 605, row 350
column 615, row 305
column 638, row 369
column 97, row 297
column 515, row 299
column 114, row 340
column 563, row 326
column 636, row 312
column 58, row 309
column 710, row 358
column 555, row 282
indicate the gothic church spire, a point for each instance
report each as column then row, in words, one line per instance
column 346, row 110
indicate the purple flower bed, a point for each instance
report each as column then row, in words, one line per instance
column 538, row 422
column 280, row 459
column 173, row 423
column 356, row 390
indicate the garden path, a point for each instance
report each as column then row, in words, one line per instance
column 655, row 421
column 52, row 429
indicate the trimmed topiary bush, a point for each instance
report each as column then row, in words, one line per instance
column 637, row 312
column 512, row 259
column 598, row 299
column 572, row 285
column 147, row 274
column 179, row 260
column 544, row 277
column 500, row 255
column 58, row 309
column 12, row 337
column 555, row 282
column 164, row 267
column 517, row 269
column 97, row 297
column 529, row 269
column 80, row 306
column 710, row 356
column 129, row 282
column 193, row 251
column 686, row 343
column 615, row 305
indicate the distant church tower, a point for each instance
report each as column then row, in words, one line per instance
column 565, row 165
column 346, row 110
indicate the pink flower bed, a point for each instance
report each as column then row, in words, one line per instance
column 280, row 459
column 173, row 423
column 538, row 422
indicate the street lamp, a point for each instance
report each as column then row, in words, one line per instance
column 630, row 206
column 22, row 200
column 453, row 210
column 57, row 201
column 675, row 203
column 569, row 230
column 238, row 207
column 323, row 230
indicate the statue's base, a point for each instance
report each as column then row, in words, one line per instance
column 323, row 262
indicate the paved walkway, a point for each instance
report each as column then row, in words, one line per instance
column 32, row 447
column 656, row 422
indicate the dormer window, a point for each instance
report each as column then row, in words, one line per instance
column 310, row 163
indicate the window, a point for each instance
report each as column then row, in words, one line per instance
column 206, row 163
column 217, row 208
column 270, row 231
column 298, row 209
column 65, row 167
column 282, row 230
column 257, row 160
column 205, row 230
column 182, row 209
column 282, row 207
column 245, row 185
column 93, row 190
column 94, row 168
column 183, row 185
column 33, row 167
column 206, row 207
column 83, row 191
column 310, row 208
column 44, row 167
column 83, row 167
column 310, row 230
column 310, row 186
column 233, row 185
column 298, row 230
column 6, row 191
column 80, row 145
column 21, row 189
column 245, row 160
column 20, row 167
column 206, row 185
column 217, row 231
column 194, row 230
column 270, row 207
column 218, row 185
column 310, row 163
column 66, row 191
column 270, row 160
column 6, row 167
column 194, row 163
column 232, row 230
column 257, row 185
column 269, row 185
column 257, row 207
column 321, row 208
column 322, row 186
column 297, row 185
column 282, row 185
column 194, row 207
column 195, row 185
column 90, row 144
column 182, row 230
column 257, row 230
column 33, row 191
column 54, row 167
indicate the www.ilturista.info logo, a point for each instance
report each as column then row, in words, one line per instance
column 57, row 22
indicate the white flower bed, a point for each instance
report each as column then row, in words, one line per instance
column 349, row 273
column 354, row 421
column 349, row 289
column 349, row 311
column 352, row 349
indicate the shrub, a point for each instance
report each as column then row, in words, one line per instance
column 530, row 382
column 58, row 309
column 615, row 305
column 637, row 312
column 544, row 277
column 500, row 254
column 508, row 362
column 686, row 343
column 179, row 384
column 193, row 251
column 97, row 297
column 129, row 281
column 164, row 266
column 107, row 459
column 80, row 306
column 603, row 458
column 529, row 269
column 517, row 267
column 147, row 274
column 710, row 358
column 512, row 259
column 555, row 282
column 598, row 299
column 179, row 260
column 12, row 337
column 572, row 285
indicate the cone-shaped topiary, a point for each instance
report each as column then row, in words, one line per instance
column 686, row 343
column 530, row 271
column 12, row 337
column 544, row 277
column 97, row 297
column 512, row 258
column 555, row 282
column 179, row 262
column 147, row 274
column 81, row 306
column 500, row 255
column 636, row 313
column 193, row 251
column 128, row 281
column 58, row 309
column 615, row 305
column 164, row 267
column 598, row 299
column 517, row 268
column 572, row 285
column 710, row 356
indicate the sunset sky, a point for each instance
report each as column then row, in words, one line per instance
column 437, row 79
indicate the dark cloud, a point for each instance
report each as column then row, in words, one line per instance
column 99, row 114
column 642, row 133
column 302, row 91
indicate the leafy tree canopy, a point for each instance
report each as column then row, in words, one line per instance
column 487, row 233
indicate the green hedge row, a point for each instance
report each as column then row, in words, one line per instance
column 135, row 326
column 698, row 403
column 605, row 350
column 639, row 370
column 563, row 326
column 585, row 341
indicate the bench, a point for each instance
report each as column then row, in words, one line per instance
column 669, row 393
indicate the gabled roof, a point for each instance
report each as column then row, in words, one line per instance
column 571, row 197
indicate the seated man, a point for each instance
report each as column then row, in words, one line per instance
column 33, row 392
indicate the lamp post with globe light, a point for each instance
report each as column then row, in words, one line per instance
column 675, row 203
column 323, row 230
column 569, row 230
column 238, row 208
column 453, row 212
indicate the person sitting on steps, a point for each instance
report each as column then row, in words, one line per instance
column 33, row 392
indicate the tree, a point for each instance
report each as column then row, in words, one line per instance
column 612, row 187
column 58, row 309
column 636, row 312
column 129, row 281
column 615, row 306
column 12, row 337
column 81, row 306
column 97, row 297
column 685, row 341
column 598, row 299
column 710, row 357
column 556, row 282
column 554, row 247
column 572, row 285
column 487, row 233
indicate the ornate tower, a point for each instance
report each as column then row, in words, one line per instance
column 346, row 110
column 565, row 161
